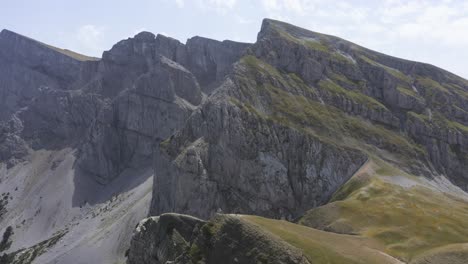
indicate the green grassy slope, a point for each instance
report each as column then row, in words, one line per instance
column 399, row 210
column 325, row 247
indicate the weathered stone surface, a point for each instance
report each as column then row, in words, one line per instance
column 128, row 128
column 26, row 65
column 162, row 238
column 225, row 159
column 236, row 155
column 211, row 60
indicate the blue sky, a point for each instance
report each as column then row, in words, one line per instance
column 430, row 31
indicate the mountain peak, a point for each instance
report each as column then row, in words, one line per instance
column 145, row 35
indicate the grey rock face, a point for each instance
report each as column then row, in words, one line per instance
column 163, row 238
column 12, row 146
column 120, row 107
column 210, row 60
column 128, row 127
column 225, row 159
column 402, row 87
column 58, row 118
column 236, row 155
column 153, row 91
column 26, row 65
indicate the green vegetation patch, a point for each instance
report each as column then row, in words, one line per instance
column 358, row 97
column 394, row 72
column 439, row 120
column 323, row 247
column 317, row 45
column 431, row 85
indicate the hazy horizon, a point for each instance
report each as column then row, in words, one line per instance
column 434, row 32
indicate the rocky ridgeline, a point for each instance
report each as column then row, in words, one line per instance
column 223, row 239
column 115, row 110
column 272, row 128
column 230, row 126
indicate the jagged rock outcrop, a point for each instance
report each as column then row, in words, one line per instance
column 153, row 84
column 172, row 238
column 127, row 129
column 211, row 60
column 139, row 93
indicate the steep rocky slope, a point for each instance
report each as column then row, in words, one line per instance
column 27, row 65
column 299, row 114
column 77, row 136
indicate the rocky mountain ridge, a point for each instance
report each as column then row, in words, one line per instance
column 274, row 128
column 309, row 109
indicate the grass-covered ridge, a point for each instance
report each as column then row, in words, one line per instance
column 72, row 54
column 324, row 247
column 320, row 44
column 395, row 208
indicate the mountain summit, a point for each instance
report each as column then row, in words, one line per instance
column 363, row 156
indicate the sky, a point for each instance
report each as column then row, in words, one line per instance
column 435, row 32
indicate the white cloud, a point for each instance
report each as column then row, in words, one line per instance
column 243, row 20
column 299, row 7
column 219, row 6
column 180, row 3
column 89, row 38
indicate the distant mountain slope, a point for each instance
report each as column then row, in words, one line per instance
column 26, row 65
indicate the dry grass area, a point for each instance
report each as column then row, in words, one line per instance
column 325, row 247
column 73, row 54
column 401, row 211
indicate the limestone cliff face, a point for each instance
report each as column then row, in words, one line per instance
column 127, row 129
column 427, row 104
column 116, row 109
column 26, row 65
column 297, row 116
column 229, row 160
column 272, row 128
column 153, row 85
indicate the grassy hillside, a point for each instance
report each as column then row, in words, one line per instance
column 325, row 247
column 406, row 214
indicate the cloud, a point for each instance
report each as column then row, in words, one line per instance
column 243, row 20
column 219, row 6
column 298, row 7
column 89, row 38
column 180, row 3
